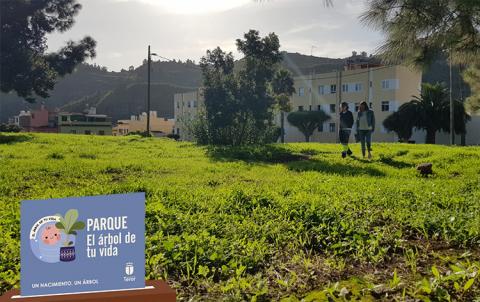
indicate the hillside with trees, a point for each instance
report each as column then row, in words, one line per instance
column 121, row 94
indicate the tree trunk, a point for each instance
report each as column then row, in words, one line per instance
column 430, row 138
column 282, row 123
column 307, row 138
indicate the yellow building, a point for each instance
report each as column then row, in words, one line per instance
column 159, row 126
column 385, row 88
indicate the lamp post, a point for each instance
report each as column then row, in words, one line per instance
column 452, row 115
column 149, row 61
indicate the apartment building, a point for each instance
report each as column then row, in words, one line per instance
column 385, row 88
column 159, row 126
column 186, row 106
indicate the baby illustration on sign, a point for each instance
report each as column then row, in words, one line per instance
column 69, row 226
column 52, row 238
column 51, row 235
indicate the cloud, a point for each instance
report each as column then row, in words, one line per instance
column 187, row 7
column 115, row 55
column 309, row 27
column 124, row 33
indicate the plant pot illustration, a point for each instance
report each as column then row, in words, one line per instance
column 67, row 253
column 69, row 226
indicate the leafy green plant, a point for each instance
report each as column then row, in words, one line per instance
column 225, row 223
column 69, row 225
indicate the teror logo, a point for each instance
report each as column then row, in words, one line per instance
column 52, row 238
column 129, row 269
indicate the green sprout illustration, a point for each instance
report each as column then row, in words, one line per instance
column 69, row 225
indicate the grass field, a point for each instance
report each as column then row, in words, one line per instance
column 278, row 222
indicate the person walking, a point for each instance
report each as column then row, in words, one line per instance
column 346, row 123
column 365, row 128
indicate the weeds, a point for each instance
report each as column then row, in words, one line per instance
column 294, row 222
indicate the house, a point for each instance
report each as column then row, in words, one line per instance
column 38, row 120
column 159, row 126
column 88, row 122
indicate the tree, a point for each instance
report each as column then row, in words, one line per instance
column 472, row 77
column 418, row 31
column 26, row 67
column 218, row 123
column 239, row 106
column 307, row 121
column 401, row 122
column 429, row 112
column 262, row 57
column 283, row 87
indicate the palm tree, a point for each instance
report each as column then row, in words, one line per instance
column 430, row 112
column 283, row 88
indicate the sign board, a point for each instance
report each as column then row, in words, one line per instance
column 85, row 244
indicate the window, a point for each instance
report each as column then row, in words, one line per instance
column 344, row 87
column 390, row 84
column 385, row 106
column 301, row 91
column 178, row 105
column 300, row 108
column 333, row 88
column 101, row 132
column 64, row 118
column 332, row 127
column 73, row 131
column 195, row 104
column 371, row 84
column 310, row 108
column 321, row 90
column 319, row 107
column 358, row 87
column 332, row 108
column 188, row 104
column 320, row 127
column 88, row 132
column 370, row 105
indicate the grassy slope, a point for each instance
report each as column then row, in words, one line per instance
column 268, row 222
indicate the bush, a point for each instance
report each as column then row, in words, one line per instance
column 174, row 136
column 9, row 128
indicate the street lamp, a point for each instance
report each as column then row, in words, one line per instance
column 149, row 61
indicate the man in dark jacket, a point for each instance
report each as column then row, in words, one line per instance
column 346, row 123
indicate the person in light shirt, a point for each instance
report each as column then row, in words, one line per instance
column 365, row 127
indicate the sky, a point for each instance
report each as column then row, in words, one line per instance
column 185, row 29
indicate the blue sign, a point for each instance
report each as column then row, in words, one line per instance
column 85, row 244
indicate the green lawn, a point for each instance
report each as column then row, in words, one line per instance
column 291, row 221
